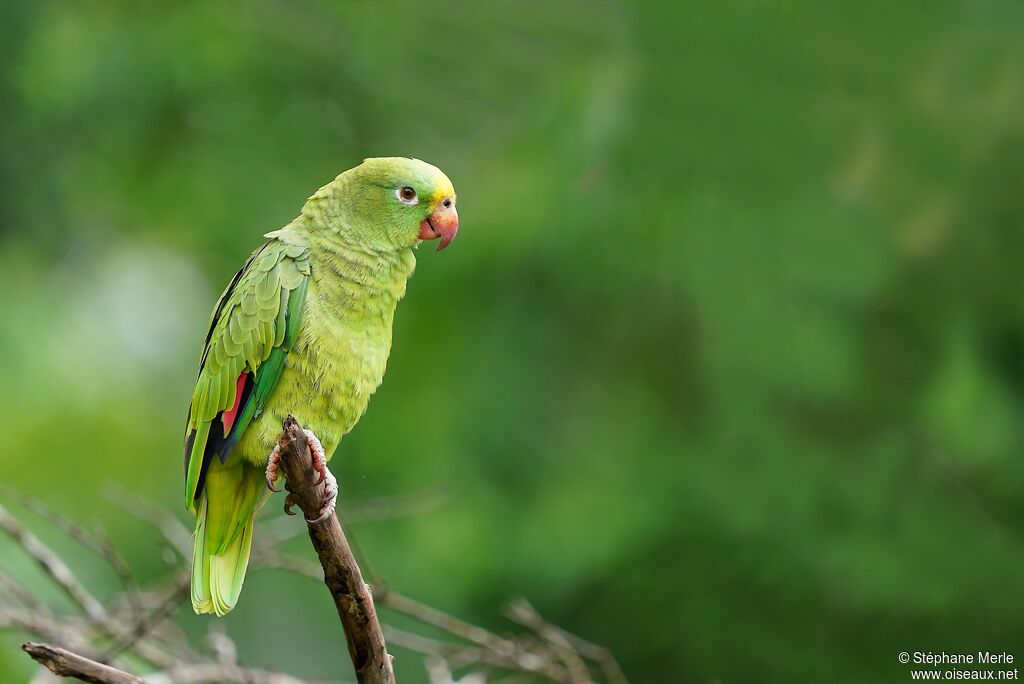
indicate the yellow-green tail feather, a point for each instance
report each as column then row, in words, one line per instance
column 223, row 537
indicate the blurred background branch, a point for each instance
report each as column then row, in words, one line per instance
column 64, row 663
column 135, row 629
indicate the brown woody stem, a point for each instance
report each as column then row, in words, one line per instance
column 351, row 594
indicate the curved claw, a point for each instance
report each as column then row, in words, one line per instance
column 272, row 464
column 288, row 503
column 327, row 513
column 330, row 499
column 317, row 456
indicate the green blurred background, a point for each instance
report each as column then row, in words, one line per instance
column 725, row 371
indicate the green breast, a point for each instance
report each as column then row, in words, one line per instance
column 342, row 354
column 339, row 359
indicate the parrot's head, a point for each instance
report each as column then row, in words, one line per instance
column 396, row 202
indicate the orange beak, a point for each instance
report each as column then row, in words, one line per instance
column 442, row 223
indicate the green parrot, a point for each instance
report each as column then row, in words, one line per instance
column 304, row 328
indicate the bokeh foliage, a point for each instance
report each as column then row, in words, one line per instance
column 725, row 370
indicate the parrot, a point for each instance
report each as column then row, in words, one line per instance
column 302, row 329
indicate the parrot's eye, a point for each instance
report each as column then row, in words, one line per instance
column 407, row 195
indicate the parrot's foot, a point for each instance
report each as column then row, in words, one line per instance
column 319, row 458
column 330, row 497
column 319, row 461
column 273, row 463
column 330, row 500
column 316, row 449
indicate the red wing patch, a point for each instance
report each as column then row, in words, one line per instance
column 228, row 417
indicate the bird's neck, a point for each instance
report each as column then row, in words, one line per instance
column 343, row 266
column 347, row 272
column 360, row 273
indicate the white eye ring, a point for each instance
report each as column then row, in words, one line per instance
column 402, row 195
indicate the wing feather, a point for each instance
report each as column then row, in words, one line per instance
column 252, row 328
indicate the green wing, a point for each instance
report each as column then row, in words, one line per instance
column 253, row 327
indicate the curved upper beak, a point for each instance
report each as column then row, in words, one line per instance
column 442, row 223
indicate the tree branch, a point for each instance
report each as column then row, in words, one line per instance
column 138, row 624
column 341, row 573
column 218, row 673
column 67, row 664
column 54, row 566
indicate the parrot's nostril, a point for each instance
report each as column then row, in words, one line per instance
column 447, row 203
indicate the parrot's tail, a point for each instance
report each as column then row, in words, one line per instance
column 223, row 537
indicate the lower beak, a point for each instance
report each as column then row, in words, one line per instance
column 442, row 223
